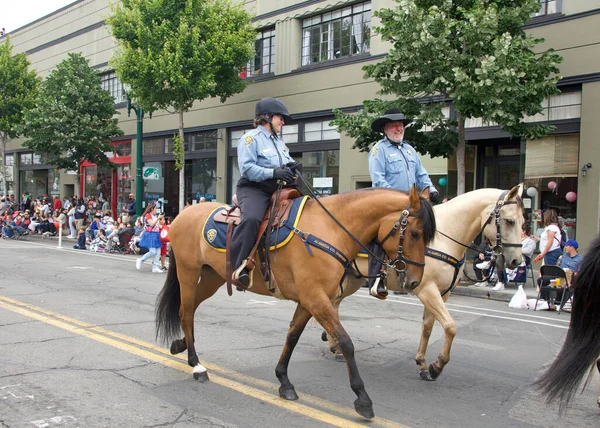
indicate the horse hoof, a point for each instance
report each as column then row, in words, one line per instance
column 324, row 336
column 434, row 371
column 426, row 376
column 365, row 410
column 288, row 394
column 178, row 346
column 201, row 377
column 340, row 358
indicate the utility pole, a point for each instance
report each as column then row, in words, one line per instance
column 139, row 183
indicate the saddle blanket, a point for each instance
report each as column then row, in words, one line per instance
column 215, row 233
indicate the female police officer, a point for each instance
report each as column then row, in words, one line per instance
column 264, row 161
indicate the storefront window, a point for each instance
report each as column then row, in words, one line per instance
column 35, row 182
column 234, row 136
column 123, row 187
column 154, row 184
column 202, row 141
column 201, row 179
column 321, row 170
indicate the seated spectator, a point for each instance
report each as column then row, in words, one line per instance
column 100, row 242
column 481, row 263
column 80, row 239
column 92, row 231
column 570, row 262
column 117, row 233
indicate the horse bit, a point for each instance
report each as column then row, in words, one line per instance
column 400, row 258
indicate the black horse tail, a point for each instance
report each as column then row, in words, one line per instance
column 582, row 345
column 168, row 323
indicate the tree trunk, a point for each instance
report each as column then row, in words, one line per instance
column 460, row 156
column 3, row 187
column 182, row 170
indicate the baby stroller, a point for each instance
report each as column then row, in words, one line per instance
column 122, row 245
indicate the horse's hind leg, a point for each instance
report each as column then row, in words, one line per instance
column 327, row 316
column 301, row 317
column 195, row 288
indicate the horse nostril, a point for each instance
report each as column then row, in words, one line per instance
column 414, row 284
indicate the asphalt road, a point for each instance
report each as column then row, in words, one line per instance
column 77, row 349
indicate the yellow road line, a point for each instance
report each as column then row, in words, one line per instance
column 100, row 334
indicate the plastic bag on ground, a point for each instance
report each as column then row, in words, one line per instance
column 519, row 300
column 542, row 305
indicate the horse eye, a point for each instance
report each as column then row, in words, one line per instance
column 415, row 234
column 510, row 222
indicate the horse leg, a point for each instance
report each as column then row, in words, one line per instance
column 301, row 317
column 195, row 288
column 326, row 315
column 334, row 345
column 433, row 302
column 427, row 326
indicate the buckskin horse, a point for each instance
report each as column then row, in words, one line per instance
column 499, row 215
column 582, row 345
column 312, row 278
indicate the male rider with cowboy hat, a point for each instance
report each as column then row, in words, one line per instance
column 264, row 161
column 394, row 164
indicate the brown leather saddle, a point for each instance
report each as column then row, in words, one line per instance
column 275, row 217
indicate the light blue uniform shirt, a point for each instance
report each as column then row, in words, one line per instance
column 397, row 166
column 259, row 153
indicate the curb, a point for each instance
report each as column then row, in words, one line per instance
column 487, row 292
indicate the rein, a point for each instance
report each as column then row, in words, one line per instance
column 400, row 224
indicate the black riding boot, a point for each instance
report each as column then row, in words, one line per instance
column 377, row 280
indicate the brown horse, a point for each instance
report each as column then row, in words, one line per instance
column 312, row 279
column 458, row 221
column 582, row 345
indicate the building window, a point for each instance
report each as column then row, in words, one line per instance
column 320, row 131
column 154, row 146
column 289, row 134
column 336, row 34
column 111, row 83
column 234, row 136
column 25, row 158
column 9, row 160
column 558, row 107
column 548, row 7
column 264, row 56
column 201, row 141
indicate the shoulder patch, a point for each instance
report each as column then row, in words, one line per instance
column 249, row 140
column 374, row 150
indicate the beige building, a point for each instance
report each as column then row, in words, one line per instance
column 311, row 55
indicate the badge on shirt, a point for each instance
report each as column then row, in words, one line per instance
column 249, row 140
column 374, row 151
column 409, row 153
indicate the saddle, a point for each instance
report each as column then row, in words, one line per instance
column 275, row 217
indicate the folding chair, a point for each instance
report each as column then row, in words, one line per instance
column 552, row 292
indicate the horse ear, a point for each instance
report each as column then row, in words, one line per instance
column 413, row 199
column 516, row 191
column 425, row 193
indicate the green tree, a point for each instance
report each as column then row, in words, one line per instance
column 471, row 53
column 73, row 119
column 175, row 52
column 18, row 88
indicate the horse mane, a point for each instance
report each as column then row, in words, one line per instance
column 582, row 345
column 425, row 215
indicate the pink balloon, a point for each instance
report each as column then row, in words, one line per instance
column 552, row 185
column 571, row 196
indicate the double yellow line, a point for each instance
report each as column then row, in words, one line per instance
column 219, row 375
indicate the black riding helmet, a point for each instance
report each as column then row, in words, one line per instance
column 272, row 106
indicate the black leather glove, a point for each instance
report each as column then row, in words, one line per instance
column 434, row 197
column 283, row 174
column 294, row 166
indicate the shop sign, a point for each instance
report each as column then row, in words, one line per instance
column 151, row 173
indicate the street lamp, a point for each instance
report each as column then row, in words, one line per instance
column 139, row 183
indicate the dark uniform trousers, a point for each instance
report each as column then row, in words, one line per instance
column 375, row 265
column 254, row 200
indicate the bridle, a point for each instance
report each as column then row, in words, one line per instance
column 400, row 258
column 495, row 214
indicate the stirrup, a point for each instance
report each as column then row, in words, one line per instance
column 379, row 289
column 236, row 274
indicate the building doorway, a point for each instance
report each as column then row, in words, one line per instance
column 499, row 163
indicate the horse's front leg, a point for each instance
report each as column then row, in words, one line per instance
column 430, row 296
column 301, row 317
column 327, row 316
column 427, row 326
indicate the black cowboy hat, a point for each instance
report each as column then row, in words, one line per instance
column 391, row 115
